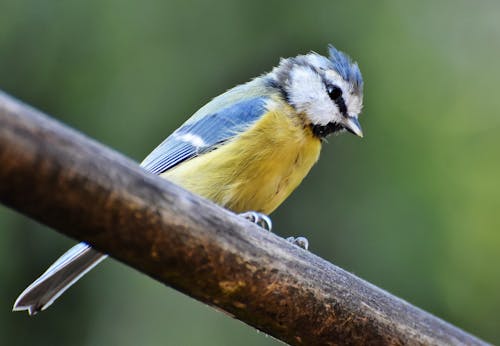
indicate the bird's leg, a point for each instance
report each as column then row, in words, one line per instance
column 259, row 219
column 299, row 241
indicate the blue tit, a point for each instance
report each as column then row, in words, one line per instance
column 245, row 150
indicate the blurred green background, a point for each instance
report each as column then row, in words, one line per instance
column 414, row 207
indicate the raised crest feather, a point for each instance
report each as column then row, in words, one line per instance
column 347, row 69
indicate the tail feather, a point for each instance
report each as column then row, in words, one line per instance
column 70, row 267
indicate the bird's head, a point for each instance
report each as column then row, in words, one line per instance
column 327, row 91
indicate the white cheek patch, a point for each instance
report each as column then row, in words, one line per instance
column 195, row 140
column 307, row 93
column 354, row 105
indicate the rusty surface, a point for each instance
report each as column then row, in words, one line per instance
column 59, row 177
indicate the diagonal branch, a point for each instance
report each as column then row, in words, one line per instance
column 81, row 188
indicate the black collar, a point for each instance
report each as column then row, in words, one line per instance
column 322, row 131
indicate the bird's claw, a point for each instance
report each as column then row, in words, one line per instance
column 299, row 241
column 264, row 221
column 259, row 219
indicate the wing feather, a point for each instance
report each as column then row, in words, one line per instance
column 203, row 133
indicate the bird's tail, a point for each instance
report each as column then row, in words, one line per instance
column 70, row 267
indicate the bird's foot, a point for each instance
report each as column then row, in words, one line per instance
column 299, row 241
column 259, row 219
column 264, row 221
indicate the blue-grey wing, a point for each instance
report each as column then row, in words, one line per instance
column 203, row 133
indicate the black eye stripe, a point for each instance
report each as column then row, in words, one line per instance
column 335, row 94
column 342, row 107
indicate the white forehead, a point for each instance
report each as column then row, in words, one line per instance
column 353, row 100
column 308, row 92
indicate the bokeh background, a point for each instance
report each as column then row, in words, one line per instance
column 414, row 207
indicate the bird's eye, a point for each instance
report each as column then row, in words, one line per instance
column 334, row 92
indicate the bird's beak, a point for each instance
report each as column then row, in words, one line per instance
column 352, row 125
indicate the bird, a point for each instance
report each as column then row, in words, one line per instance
column 246, row 150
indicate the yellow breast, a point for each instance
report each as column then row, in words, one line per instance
column 256, row 170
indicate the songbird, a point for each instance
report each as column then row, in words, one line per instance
column 245, row 150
